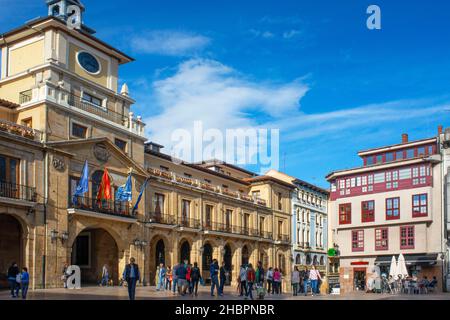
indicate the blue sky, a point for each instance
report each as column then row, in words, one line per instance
column 309, row 68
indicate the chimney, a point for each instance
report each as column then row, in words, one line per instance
column 405, row 138
column 440, row 130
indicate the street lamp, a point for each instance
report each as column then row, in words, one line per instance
column 54, row 235
column 64, row 236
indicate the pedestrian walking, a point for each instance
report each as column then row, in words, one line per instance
column 13, row 271
column 214, row 273
column 223, row 274
column 305, row 281
column 260, row 274
column 314, row 276
column 24, row 282
column 195, row 278
column 295, row 279
column 131, row 275
column 65, row 274
column 277, row 281
column 175, row 278
column 168, row 283
column 251, row 278
column 188, row 278
column 105, row 276
column 181, row 278
column 161, row 272
column 243, row 281
column 269, row 277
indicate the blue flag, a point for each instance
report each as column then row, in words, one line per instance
column 124, row 192
column 83, row 185
column 144, row 186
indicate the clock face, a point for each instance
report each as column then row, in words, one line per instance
column 88, row 62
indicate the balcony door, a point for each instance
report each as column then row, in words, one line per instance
column 9, row 177
column 228, row 215
column 208, row 216
column 185, row 208
column 158, row 206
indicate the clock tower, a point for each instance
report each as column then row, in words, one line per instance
column 70, row 11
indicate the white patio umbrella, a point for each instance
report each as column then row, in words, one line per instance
column 393, row 268
column 401, row 267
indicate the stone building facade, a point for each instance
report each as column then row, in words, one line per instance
column 60, row 105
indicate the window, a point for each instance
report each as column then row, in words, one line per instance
column 368, row 211
column 208, row 181
column 73, row 184
column 187, row 175
column 381, row 239
column 421, row 151
column 9, row 170
column 158, row 204
column 261, row 224
column 420, row 205
column 185, row 208
column 379, row 158
column 79, row 131
column 369, row 161
column 410, row 153
column 393, row 208
column 389, row 157
column 28, row 122
column 164, row 168
column 407, row 237
column 121, row 144
column 399, row 155
column 280, row 201
column 228, row 215
column 256, row 195
column 358, row 240
column 91, row 99
column 280, row 230
column 379, row 177
column 345, row 213
column 208, row 215
column 430, row 150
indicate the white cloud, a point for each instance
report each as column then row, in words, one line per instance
column 290, row 34
column 220, row 97
column 167, row 42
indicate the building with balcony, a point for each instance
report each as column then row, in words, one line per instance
column 309, row 205
column 392, row 204
column 60, row 105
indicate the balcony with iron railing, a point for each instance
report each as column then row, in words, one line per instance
column 194, row 183
column 161, row 218
column 70, row 100
column 283, row 237
column 18, row 192
column 104, row 207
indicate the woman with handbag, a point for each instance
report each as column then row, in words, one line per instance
column 13, row 271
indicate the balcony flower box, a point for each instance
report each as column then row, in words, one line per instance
column 229, row 193
column 29, row 134
column 246, row 197
column 207, row 186
column 166, row 175
column 16, row 130
column 159, row 173
column 4, row 127
column 261, row 202
column 185, row 181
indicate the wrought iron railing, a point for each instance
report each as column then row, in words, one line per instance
column 283, row 237
column 188, row 223
column 25, row 96
column 162, row 218
column 17, row 191
column 79, row 103
column 110, row 207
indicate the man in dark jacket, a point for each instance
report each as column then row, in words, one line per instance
column 195, row 278
column 223, row 273
column 214, row 272
column 181, row 276
column 132, row 275
column 13, row 271
column 260, row 274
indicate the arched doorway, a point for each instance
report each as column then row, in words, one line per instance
column 308, row 259
column 245, row 255
column 206, row 260
column 11, row 246
column 185, row 252
column 227, row 258
column 91, row 250
column 160, row 253
column 315, row 262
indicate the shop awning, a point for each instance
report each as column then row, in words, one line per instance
column 411, row 259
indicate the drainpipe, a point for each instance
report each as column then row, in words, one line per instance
column 45, row 172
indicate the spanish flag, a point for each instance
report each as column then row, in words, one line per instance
column 104, row 191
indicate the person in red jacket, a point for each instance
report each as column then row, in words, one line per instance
column 251, row 277
column 188, row 278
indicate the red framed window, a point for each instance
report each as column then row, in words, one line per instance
column 368, row 211
column 358, row 240
column 420, row 205
column 382, row 239
column 407, row 237
column 345, row 213
column 392, row 208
